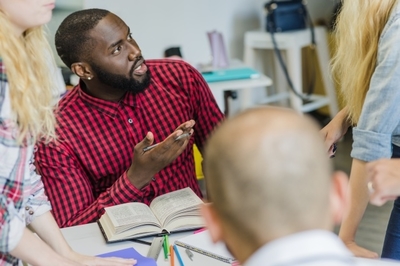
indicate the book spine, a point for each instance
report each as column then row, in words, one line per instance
column 102, row 231
column 209, row 254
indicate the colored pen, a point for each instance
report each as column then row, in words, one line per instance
column 165, row 248
column 167, row 243
column 141, row 241
column 178, row 256
column 199, row 230
column 177, row 138
column 171, row 251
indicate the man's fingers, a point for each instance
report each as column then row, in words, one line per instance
column 146, row 142
column 186, row 126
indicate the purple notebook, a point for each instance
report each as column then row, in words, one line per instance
column 130, row 253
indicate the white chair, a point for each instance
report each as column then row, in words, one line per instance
column 291, row 44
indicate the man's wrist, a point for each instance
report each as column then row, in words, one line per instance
column 139, row 181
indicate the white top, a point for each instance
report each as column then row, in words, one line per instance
column 309, row 248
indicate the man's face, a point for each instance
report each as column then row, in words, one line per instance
column 116, row 58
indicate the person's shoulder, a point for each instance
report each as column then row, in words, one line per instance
column 69, row 101
column 394, row 18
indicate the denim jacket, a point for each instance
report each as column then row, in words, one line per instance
column 379, row 123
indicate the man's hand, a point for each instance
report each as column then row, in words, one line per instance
column 145, row 164
column 384, row 180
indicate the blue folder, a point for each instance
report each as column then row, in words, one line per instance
column 230, row 74
column 130, row 253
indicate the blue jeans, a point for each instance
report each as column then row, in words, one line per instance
column 391, row 245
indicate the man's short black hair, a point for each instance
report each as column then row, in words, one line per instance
column 72, row 37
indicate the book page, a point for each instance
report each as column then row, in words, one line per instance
column 174, row 202
column 130, row 213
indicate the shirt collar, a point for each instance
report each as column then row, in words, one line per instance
column 108, row 107
column 300, row 246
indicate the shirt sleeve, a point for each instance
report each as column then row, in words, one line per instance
column 69, row 188
column 207, row 113
column 11, row 221
column 37, row 203
column 379, row 118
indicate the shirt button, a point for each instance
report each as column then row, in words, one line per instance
column 27, row 208
column 130, row 121
column 153, row 178
column 31, row 212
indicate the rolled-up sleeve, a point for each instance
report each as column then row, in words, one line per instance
column 380, row 117
column 11, row 227
column 38, row 202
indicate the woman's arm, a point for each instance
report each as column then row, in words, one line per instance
column 34, row 251
column 47, row 229
column 358, row 194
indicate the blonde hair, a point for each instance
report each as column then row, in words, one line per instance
column 28, row 61
column 358, row 29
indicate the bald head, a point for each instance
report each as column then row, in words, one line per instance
column 268, row 174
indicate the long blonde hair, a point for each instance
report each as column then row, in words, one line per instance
column 357, row 32
column 28, row 62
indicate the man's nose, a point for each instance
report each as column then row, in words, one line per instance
column 134, row 53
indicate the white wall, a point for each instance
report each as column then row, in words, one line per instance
column 159, row 24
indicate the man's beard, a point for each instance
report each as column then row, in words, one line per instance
column 121, row 82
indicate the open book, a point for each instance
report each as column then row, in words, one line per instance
column 175, row 211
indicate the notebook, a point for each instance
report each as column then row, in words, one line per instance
column 230, row 74
column 201, row 243
column 130, row 253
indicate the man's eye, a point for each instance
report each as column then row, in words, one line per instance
column 129, row 37
column 117, row 49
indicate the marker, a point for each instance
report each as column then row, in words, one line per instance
column 199, row 230
column 165, row 248
column 171, row 251
column 177, row 138
column 178, row 256
column 167, row 243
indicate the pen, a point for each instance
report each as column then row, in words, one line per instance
column 165, row 248
column 177, row 138
column 167, row 243
column 178, row 256
column 141, row 241
column 171, row 251
column 199, row 230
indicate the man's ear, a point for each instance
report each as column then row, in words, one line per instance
column 339, row 196
column 82, row 70
column 213, row 223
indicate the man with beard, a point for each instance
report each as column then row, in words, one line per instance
column 122, row 105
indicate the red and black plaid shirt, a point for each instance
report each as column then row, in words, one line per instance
column 86, row 170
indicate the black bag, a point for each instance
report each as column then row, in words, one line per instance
column 287, row 16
